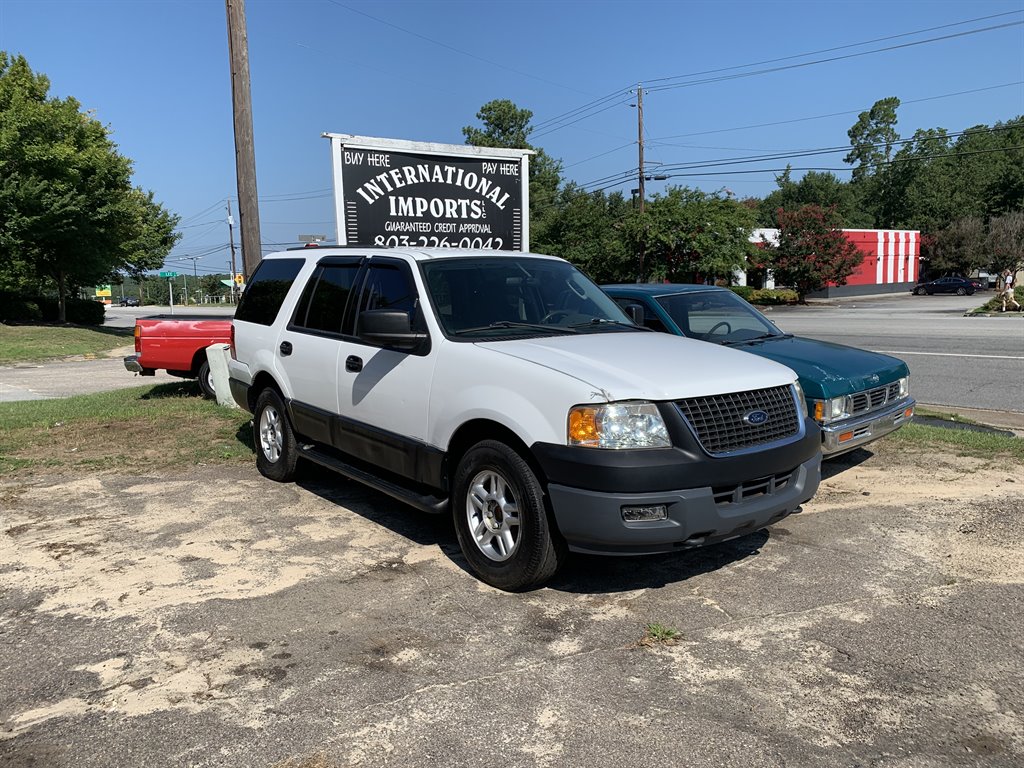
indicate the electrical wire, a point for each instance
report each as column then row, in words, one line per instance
column 669, row 86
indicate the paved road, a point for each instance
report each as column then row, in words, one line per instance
column 43, row 381
column 975, row 362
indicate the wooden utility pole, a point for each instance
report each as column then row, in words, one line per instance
column 231, row 241
column 245, row 153
column 640, row 143
column 640, row 171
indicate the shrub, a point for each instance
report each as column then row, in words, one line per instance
column 35, row 309
column 84, row 311
column 15, row 309
column 773, row 296
column 743, row 291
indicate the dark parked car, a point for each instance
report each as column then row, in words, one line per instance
column 961, row 286
column 128, row 301
column 856, row 396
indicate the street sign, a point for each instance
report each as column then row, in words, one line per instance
column 103, row 290
column 239, row 279
column 168, row 274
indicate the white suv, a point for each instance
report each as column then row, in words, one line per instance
column 508, row 390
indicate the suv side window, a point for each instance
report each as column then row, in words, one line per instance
column 388, row 286
column 266, row 290
column 326, row 297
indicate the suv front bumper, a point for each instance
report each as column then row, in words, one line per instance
column 593, row 522
column 852, row 433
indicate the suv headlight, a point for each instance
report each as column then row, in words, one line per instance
column 617, row 425
column 827, row 411
column 801, row 399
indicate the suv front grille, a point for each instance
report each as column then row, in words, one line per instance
column 873, row 399
column 719, row 424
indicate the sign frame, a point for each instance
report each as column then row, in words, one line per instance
column 342, row 142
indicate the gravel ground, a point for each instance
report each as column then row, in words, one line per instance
column 209, row 617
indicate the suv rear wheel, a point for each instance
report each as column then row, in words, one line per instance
column 501, row 520
column 276, row 453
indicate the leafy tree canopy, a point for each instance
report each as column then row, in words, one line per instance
column 872, row 137
column 586, row 229
column 689, row 236
column 69, row 216
column 812, row 250
column 821, row 188
column 506, row 125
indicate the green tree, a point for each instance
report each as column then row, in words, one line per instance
column 586, row 229
column 688, row 235
column 823, row 189
column 1005, row 241
column 959, row 248
column 872, row 137
column 812, row 250
column 69, row 216
column 506, row 125
column 153, row 236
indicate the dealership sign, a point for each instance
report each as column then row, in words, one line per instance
column 390, row 192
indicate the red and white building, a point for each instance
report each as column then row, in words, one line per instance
column 891, row 261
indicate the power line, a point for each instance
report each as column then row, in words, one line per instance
column 664, row 167
column 836, row 48
column 894, row 161
column 836, row 114
column 830, row 59
column 565, row 116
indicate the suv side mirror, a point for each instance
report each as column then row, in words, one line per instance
column 389, row 328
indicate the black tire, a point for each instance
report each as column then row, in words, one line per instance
column 961, row 291
column 504, row 482
column 276, row 453
column 917, row 291
column 206, row 381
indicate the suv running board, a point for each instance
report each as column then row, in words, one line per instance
column 433, row 505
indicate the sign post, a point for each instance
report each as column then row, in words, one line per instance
column 170, row 286
column 391, row 192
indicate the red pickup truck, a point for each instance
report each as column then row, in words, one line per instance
column 177, row 344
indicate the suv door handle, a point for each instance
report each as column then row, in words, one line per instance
column 286, row 348
column 353, row 364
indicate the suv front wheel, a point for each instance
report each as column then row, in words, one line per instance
column 276, row 453
column 501, row 520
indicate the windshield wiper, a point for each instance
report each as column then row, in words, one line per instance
column 762, row 337
column 514, row 324
column 604, row 321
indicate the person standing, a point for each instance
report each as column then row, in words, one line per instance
column 1007, row 292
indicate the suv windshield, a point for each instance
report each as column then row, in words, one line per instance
column 718, row 316
column 505, row 296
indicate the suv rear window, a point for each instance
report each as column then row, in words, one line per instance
column 266, row 290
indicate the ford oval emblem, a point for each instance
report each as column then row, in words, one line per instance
column 755, row 418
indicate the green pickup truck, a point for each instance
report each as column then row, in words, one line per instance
column 856, row 396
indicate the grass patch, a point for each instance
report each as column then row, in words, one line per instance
column 659, row 634
column 984, row 445
column 143, row 428
column 29, row 343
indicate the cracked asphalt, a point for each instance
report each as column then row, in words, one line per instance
column 212, row 618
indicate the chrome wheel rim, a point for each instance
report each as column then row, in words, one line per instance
column 271, row 439
column 493, row 516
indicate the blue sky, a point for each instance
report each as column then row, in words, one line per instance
column 156, row 72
